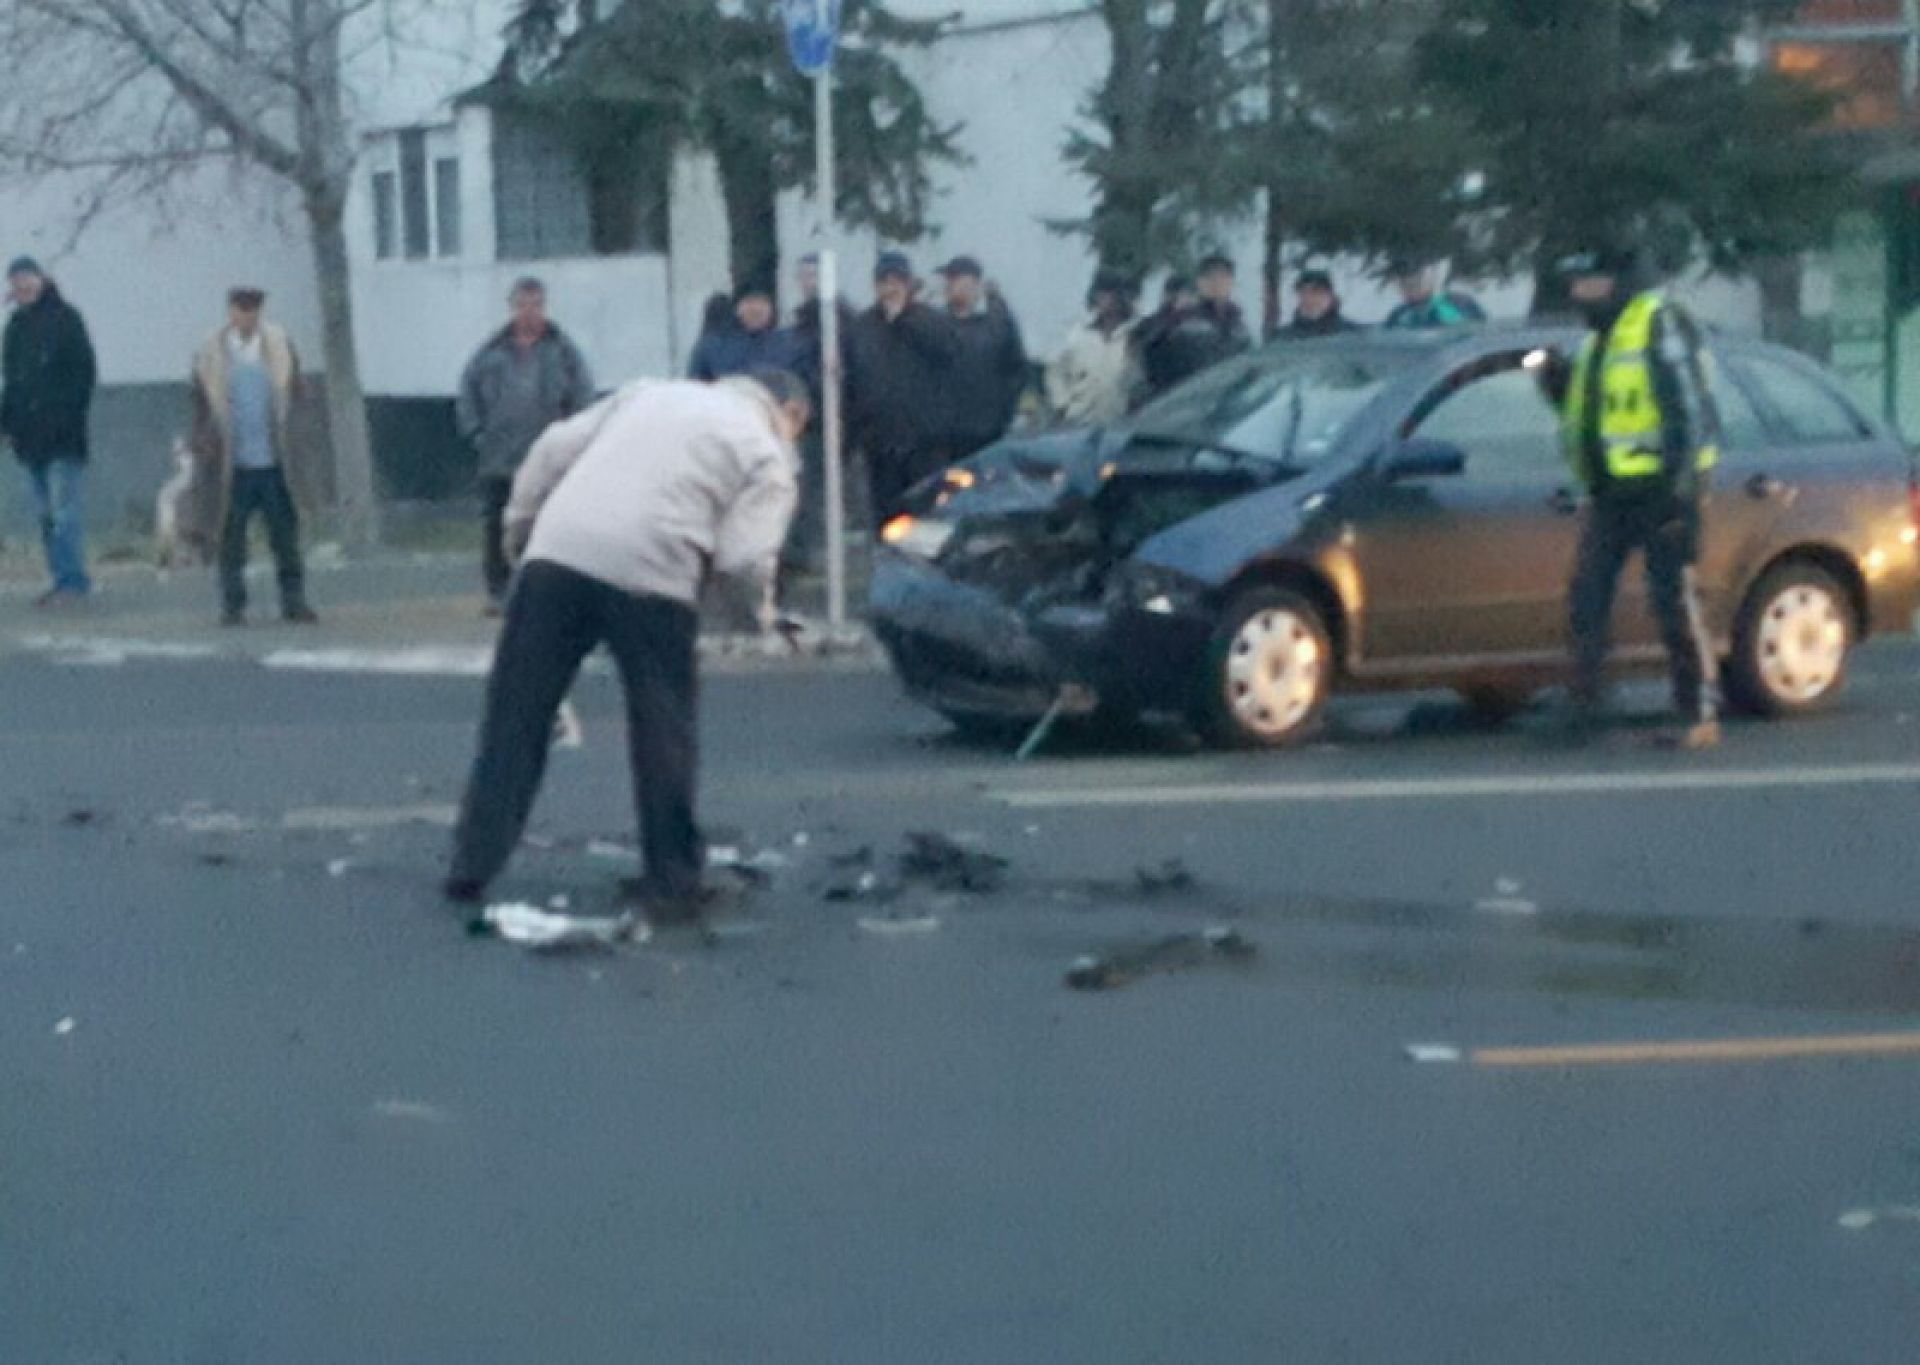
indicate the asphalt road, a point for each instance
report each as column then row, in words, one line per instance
column 265, row 1101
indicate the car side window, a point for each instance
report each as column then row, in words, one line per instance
column 1504, row 424
column 1741, row 427
column 1812, row 413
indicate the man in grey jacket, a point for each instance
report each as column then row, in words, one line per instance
column 528, row 376
column 618, row 517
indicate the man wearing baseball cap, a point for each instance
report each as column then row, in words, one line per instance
column 904, row 354
column 1316, row 310
column 990, row 367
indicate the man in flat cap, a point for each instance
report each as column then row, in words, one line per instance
column 246, row 381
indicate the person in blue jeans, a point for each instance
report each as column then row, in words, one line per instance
column 47, row 377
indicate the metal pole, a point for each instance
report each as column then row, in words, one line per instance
column 830, row 433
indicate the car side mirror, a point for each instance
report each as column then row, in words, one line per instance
column 1420, row 458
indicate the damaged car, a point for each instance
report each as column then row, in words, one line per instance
column 1381, row 512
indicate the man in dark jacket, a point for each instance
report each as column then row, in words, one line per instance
column 990, row 369
column 526, row 378
column 904, row 352
column 49, row 375
column 1316, row 310
column 1189, row 333
column 752, row 343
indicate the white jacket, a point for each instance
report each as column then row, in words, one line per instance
column 658, row 486
column 1090, row 382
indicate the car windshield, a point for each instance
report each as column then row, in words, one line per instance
column 1283, row 409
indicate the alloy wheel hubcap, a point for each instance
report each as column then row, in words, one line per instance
column 1803, row 643
column 1273, row 672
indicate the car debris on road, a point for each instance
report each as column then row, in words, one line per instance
column 1175, row 952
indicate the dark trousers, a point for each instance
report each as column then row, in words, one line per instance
column 555, row 618
column 261, row 491
column 1666, row 529
column 805, row 550
column 494, row 493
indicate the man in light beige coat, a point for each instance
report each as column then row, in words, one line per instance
column 246, row 380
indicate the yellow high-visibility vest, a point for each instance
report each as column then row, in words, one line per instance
column 1631, row 421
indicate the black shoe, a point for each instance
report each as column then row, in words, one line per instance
column 464, row 891
column 234, row 616
column 301, row 615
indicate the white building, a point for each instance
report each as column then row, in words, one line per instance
column 451, row 205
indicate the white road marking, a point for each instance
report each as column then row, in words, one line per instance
column 107, row 651
column 342, row 819
column 1506, row 905
column 412, row 1110
column 446, row 662
column 1502, row 787
column 923, row 924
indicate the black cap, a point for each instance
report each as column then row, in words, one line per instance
column 1177, row 284
column 1314, row 279
column 25, row 265
column 893, row 265
column 755, row 288
column 247, row 298
column 962, row 265
column 1216, row 261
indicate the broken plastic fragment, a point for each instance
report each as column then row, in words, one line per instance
column 950, row 865
column 542, row 930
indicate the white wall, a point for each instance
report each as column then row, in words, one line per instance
column 152, row 279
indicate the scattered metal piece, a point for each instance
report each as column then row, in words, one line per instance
column 1171, row 875
column 1175, row 952
column 949, row 865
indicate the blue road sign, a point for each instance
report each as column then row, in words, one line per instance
column 813, row 26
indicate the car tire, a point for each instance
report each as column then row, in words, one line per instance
column 1269, row 670
column 1493, row 704
column 1791, row 642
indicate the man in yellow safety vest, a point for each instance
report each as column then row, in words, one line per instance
column 1640, row 427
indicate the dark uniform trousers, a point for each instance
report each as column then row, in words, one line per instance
column 495, row 494
column 1665, row 528
column 555, row 618
column 263, row 492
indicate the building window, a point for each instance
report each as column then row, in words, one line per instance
column 1867, row 52
column 554, row 199
column 446, row 206
column 415, row 229
column 383, row 215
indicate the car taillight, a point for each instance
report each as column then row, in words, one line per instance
column 1913, row 505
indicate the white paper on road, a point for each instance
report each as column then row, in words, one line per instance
column 532, row 927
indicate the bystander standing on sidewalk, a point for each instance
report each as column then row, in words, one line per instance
column 246, row 381
column 750, row 340
column 904, row 352
column 1423, row 304
column 1193, row 332
column 48, row 374
column 990, row 361
column 1091, row 381
column 623, row 512
column 1316, row 309
column 528, row 376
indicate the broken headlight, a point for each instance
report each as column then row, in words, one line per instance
column 921, row 537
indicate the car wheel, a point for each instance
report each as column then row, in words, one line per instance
column 1496, row 705
column 1269, row 669
column 1791, row 642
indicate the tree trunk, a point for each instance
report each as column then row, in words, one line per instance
column 747, row 183
column 353, row 485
